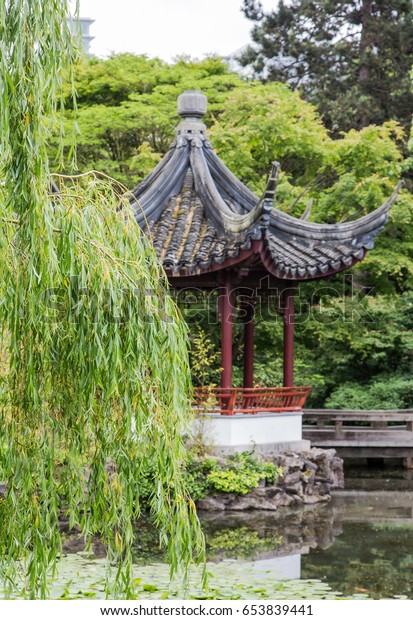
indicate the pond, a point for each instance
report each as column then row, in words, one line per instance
column 373, row 553
column 359, row 545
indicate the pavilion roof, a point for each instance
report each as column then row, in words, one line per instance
column 200, row 216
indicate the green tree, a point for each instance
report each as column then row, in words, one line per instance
column 352, row 59
column 251, row 124
column 362, row 347
column 95, row 380
column 345, row 178
column 127, row 109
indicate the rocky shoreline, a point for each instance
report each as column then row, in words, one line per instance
column 308, row 478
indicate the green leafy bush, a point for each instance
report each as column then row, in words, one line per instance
column 240, row 474
column 204, row 359
column 385, row 392
column 230, row 481
column 197, row 476
column 248, row 463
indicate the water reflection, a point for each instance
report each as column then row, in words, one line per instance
column 259, row 535
column 274, row 542
column 374, row 553
column 359, row 543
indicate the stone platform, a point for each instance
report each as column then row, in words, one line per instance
column 262, row 432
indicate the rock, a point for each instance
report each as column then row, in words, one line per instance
column 250, row 502
column 324, row 488
column 295, row 489
column 74, row 543
column 291, row 478
column 338, row 473
column 294, row 461
column 307, row 478
column 211, row 503
column 272, row 491
column 285, row 500
column 309, row 465
column 227, row 498
column 314, row 499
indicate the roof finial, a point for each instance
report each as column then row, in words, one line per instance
column 270, row 190
column 192, row 104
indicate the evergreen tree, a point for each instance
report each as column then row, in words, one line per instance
column 352, row 59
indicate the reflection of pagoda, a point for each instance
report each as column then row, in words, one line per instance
column 81, row 27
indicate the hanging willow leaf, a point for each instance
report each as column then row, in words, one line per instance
column 94, row 376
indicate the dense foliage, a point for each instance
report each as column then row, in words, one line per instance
column 205, row 475
column 240, row 473
column 127, row 109
column 352, row 59
column 95, row 380
column 250, row 124
column 130, row 101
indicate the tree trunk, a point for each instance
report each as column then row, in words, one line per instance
column 366, row 44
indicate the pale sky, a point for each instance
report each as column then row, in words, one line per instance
column 167, row 28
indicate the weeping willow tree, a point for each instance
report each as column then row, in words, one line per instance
column 95, row 381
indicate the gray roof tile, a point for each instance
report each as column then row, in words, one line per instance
column 199, row 214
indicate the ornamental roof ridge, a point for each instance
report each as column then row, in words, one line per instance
column 228, row 203
column 200, row 214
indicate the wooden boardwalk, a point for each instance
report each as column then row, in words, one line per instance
column 362, row 434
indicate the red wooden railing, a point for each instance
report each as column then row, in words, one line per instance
column 229, row 401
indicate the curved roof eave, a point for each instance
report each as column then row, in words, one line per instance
column 202, row 216
column 369, row 224
column 215, row 205
column 149, row 198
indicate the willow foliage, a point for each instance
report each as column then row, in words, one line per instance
column 94, row 383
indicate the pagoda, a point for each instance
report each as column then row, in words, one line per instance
column 211, row 232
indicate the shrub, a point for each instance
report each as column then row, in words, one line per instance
column 240, row 474
column 230, row 481
column 385, row 392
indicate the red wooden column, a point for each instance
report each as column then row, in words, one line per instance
column 226, row 332
column 288, row 361
column 249, row 346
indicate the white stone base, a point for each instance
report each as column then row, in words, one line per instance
column 263, row 432
column 282, row 568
